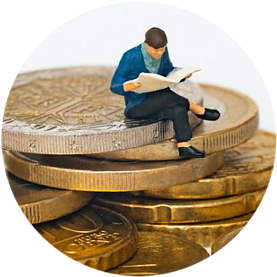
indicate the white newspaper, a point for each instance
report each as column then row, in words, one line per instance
column 151, row 81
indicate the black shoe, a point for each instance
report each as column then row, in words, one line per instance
column 191, row 152
column 209, row 115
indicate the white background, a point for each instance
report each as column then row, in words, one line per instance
column 99, row 37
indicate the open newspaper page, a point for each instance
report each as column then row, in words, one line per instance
column 152, row 82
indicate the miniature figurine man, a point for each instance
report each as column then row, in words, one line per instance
column 151, row 56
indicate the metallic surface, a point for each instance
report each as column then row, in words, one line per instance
column 72, row 111
column 238, row 123
column 245, row 168
column 160, row 253
column 224, row 239
column 94, row 236
column 86, row 174
column 203, row 234
column 143, row 210
column 40, row 204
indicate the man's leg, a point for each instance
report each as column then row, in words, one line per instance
column 196, row 108
column 178, row 114
column 166, row 104
column 155, row 102
column 204, row 113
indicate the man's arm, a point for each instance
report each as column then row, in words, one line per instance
column 121, row 75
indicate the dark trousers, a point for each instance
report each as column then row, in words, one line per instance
column 168, row 105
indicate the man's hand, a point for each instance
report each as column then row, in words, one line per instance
column 131, row 86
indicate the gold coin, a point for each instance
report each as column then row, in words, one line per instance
column 72, row 111
column 203, row 234
column 40, row 204
column 94, row 236
column 238, row 123
column 160, row 253
column 143, row 210
column 86, row 174
column 224, row 239
column 245, row 168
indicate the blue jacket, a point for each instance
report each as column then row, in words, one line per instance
column 130, row 66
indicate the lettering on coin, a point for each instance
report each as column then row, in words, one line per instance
column 155, row 135
column 87, row 241
column 32, row 144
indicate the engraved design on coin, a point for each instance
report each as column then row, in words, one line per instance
column 66, row 101
column 155, row 248
column 88, row 229
column 87, row 241
column 95, row 236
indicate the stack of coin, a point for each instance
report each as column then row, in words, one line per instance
column 202, row 211
column 85, row 173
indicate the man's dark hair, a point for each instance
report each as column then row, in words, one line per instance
column 156, row 38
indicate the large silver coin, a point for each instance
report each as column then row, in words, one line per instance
column 73, row 111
